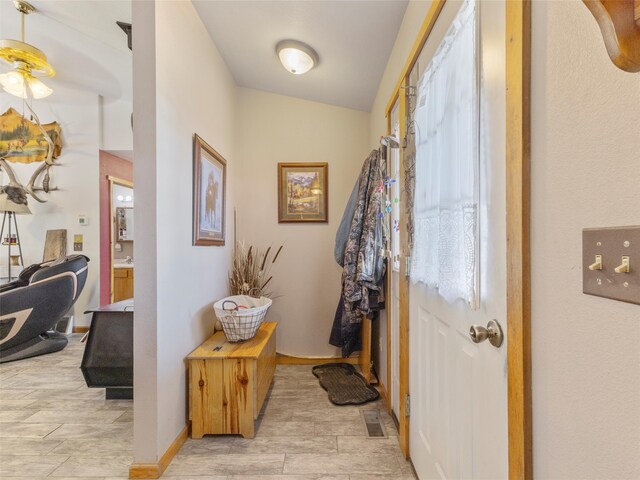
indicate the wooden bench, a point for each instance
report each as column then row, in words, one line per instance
column 228, row 382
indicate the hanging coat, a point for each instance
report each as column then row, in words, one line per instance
column 363, row 260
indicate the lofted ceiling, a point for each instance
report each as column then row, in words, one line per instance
column 81, row 40
column 95, row 18
column 353, row 40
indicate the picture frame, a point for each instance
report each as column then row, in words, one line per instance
column 209, row 194
column 303, row 192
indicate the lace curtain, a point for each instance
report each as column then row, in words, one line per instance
column 445, row 250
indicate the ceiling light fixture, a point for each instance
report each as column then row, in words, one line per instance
column 27, row 62
column 296, row 57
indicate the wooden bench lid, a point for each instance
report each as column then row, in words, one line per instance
column 218, row 347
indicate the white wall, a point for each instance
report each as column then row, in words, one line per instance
column 176, row 283
column 76, row 176
column 145, row 334
column 306, row 279
column 411, row 23
column 116, row 133
column 585, row 173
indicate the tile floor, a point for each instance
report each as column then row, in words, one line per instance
column 53, row 426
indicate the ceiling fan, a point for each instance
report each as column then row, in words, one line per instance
column 27, row 61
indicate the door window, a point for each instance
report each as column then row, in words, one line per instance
column 445, row 249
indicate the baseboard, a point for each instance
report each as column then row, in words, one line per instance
column 385, row 395
column 80, row 329
column 290, row 360
column 173, row 449
column 155, row 470
column 144, row 470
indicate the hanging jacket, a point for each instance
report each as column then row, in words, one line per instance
column 363, row 259
column 363, row 265
column 345, row 225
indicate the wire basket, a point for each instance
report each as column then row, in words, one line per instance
column 241, row 316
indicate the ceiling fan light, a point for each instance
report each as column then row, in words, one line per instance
column 38, row 88
column 296, row 57
column 26, row 60
column 12, row 79
column 13, row 83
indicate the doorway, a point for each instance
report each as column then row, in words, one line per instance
column 461, row 402
column 122, row 232
column 393, row 285
column 116, row 179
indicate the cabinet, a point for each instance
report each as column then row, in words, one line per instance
column 122, row 284
column 228, row 382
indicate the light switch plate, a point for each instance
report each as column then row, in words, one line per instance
column 613, row 244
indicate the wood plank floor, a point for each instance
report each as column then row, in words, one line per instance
column 53, row 426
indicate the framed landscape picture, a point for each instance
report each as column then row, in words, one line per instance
column 209, row 193
column 303, row 192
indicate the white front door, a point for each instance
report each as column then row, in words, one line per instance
column 458, row 389
column 394, row 389
column 394, row 173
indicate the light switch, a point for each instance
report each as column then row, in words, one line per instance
column 624, row 267
column 597, row 265
column 610, row 259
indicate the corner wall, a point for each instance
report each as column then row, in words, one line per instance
column 306, row 278
column 585, row 173
column 175, row 96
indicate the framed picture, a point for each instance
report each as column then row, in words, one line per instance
column 209, row 194
column 303, row 192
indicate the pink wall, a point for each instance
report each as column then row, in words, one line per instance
column 113, row 166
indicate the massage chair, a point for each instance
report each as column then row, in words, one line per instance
column 31, row 306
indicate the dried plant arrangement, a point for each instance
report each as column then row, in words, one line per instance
column 250, row 273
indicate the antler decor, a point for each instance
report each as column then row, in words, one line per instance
column 14, row 190
column 46, row 165
column 15, row 150
column 619, row 22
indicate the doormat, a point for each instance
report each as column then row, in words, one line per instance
column 344, row 385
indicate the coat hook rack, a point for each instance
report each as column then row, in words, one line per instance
column 619, row 22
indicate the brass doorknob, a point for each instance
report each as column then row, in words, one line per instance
column 492, row 332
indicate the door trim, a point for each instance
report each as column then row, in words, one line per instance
column 518, row 183
column 518, row 88
column 389, row 283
